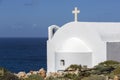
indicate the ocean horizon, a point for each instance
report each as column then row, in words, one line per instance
column 23, row 54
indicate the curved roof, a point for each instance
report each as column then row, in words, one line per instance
column 78, row 30
column 108, row 31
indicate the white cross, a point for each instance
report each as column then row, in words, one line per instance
column 75, row 12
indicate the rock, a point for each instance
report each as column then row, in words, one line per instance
column 28, row 74
column 42, row 72
column 21, row 75
column 77, row 72
column 116, row 78
column 55, row 74
column 35, row 72
column 70, row 69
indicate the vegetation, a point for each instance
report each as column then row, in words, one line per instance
column 107, row 69
column 71, row 76
column 99, row 72
column 7, row 75
column 109, row 63
column 55, row 78
column 116, row 71
column 94, row 77
column 34, row 77
column 74, row 67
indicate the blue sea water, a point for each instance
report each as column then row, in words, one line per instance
column 23, row 54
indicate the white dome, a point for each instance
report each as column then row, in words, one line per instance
column 74, row 45
column 75, row 37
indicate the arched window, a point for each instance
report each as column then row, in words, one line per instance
column 52, row 30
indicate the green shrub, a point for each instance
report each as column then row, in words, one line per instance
column 101, row 69
column 55, row 78
column 111, row 76
column 72, row 76
column 116, row 71
column 9, row 76
column 84, row 74
column 34, row 77
column 50, row 78
column 94, row 77
column 69, row 75
column 75, row 67
column 105, row 67
column 109, row 63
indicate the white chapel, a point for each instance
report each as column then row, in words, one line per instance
column 82, row 43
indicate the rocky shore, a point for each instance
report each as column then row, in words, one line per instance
column 24, row 75
column 108, row 70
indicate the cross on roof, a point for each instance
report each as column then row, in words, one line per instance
column 75, row 12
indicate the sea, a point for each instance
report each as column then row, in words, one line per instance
column 23, row 54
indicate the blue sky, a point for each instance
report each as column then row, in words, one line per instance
column 31, row 18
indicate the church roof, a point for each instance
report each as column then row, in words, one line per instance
column 109, row 31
